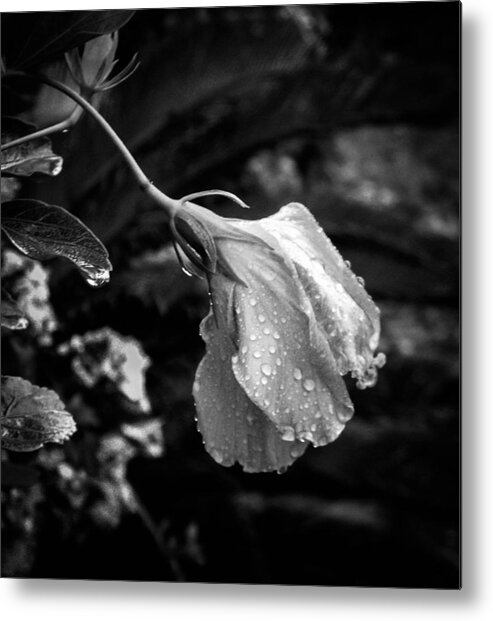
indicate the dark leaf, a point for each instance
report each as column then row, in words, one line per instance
column 11, row 316
column 31, row 38
column 44, row 231
column 33, row 156
column 32, row 416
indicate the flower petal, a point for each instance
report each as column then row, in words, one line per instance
column 233, row 428
column 342, row 307
column 284, row 363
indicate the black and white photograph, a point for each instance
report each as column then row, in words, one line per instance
column 230, row 273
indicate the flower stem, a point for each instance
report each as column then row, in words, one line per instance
column 46, row 131
column 169, row 204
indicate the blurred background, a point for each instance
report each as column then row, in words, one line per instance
column 352, row 110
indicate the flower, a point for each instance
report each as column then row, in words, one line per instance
column 288, row 318
column 87, row 72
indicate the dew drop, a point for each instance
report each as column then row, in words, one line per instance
column 253, row 337
column 266, row 403
column 266, row 330
column 261, row 318
column 234, row 359
column 287, row 433
column 264, row 381
column 257, row 354
column 296, row 450
column 276, row 335
column 97, row 276
column 266, row 369
column 283, row 319
column 278, row 362
column 253, row 302
column 297, row 374
column 309, row 385
column 272, row 349
column 244, row 349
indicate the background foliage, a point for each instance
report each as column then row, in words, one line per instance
column 352, row 110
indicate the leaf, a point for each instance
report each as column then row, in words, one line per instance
column 31, row 38
column 11, row 316
column 34, row 156
column 45, row 231
column 32, row 416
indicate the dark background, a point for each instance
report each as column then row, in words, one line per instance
column 352, row 110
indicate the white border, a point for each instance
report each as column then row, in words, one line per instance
column 80, row 601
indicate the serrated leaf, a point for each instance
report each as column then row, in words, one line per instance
column 45, row 231
column 32, row 416
column 48, row 34
column 11, row 316
column 34, row 156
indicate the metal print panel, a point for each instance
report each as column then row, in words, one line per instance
column 230, row 295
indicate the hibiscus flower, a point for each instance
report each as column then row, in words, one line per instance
column 288, row 319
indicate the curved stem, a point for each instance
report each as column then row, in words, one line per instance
column 46, row 131
column 169, row 204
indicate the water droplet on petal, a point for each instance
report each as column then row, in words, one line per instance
column 244, row 349
column 234, row 359
column 276, row 335
column 297, row 374
column 287, row 433
column 253, row 337
column 261, row 318
column 266, row 330
column 309, row 385
column 272, row 349
column 266, row 369
column 264, row 381
column 296, row 450
column 278, row 362
column 253, row 302
column 256, row 354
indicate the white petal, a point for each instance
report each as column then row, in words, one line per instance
column 285, row 364
column 233, row 428
column 342, row 307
